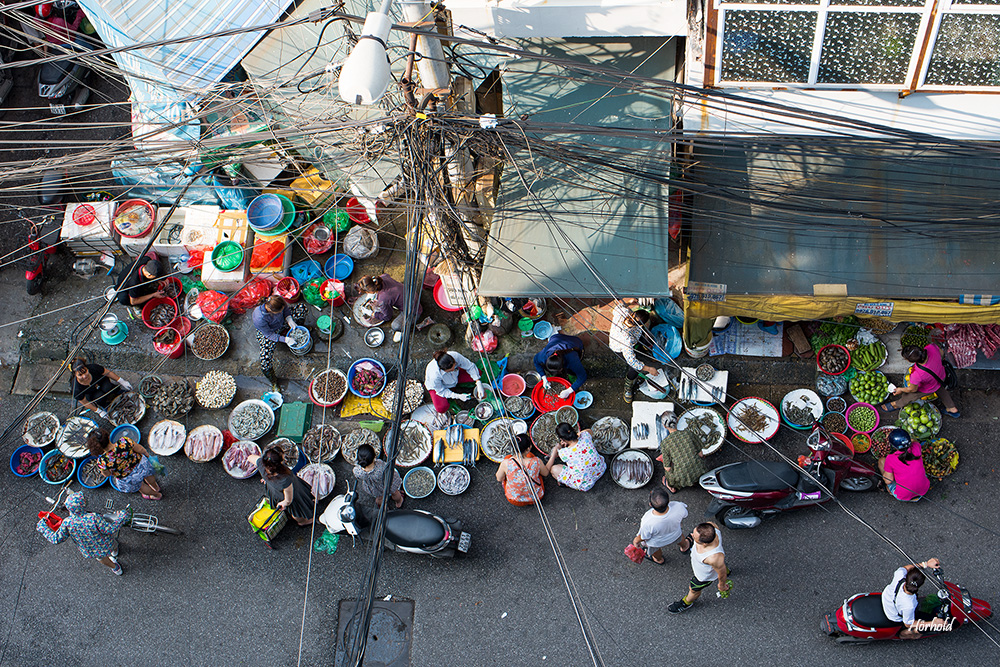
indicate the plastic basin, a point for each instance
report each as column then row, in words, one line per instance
column 148, row 307
column 583, row 400
column 512, row 384
column 858, row 406
column 356, row 212
column 79, row 478
column 287, row 211
column 227, row 256
column 545, row 404
column 15, row 459
column 134, row 231
column 171, row 350
column 543, row 330
column 337, row 218
column 339, row 266
column 125, row 430
column 288, row 289
column 265, row 212
column 44, row 465
column 353, row 369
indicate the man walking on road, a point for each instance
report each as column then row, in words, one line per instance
column 661, row 526
column 708, row 560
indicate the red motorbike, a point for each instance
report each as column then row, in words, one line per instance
column 861, row 620
column 35, row 261
column 743, row 494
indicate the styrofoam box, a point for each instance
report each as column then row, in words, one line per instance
column 224, row 281
column 100, row 228
column 187, row 217
column 199, row 226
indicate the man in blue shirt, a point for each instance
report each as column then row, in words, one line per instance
column 562, row 353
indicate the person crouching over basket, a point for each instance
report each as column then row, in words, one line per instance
column 445, row 372
column 127, row 462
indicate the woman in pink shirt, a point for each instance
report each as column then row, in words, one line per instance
column 903, row 470
column 926, row 377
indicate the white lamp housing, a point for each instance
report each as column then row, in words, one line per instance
column 365, row 75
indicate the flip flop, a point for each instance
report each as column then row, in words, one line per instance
column 159, row 497
column 954, row 415
column 655, row 562
column 887, row 406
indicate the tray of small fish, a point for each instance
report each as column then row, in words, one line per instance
column 128, row 408
column 632, row 468
column 73, row 440
column 320, row 477
column 236, row 462
column 356, row 438
column 453, row 479
column 519, row 407
column 413, row 396
column 203, row 443
column 419, row 482
column 40, row 429
column 167, row 437
column 610, row 435
column 497, row 438
column 321, row 443
column 753, row 419
column 289, row 451
column 706, row 425
column 251, row 419
column 90, row 475
column 415, row 446
column 543, row 432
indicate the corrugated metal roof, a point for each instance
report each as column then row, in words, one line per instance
column 617, row 220
column 176, row 72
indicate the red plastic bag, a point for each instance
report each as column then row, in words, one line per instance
column 252, row 294
column 228, row 439
column 266, row 254
column 196, row 258
column 213, row 305
column 634, row 553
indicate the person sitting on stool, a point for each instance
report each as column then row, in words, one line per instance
column 92, row 386
column 562, row 353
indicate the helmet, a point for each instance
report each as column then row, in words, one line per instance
column 43, row 10
column 899, row 439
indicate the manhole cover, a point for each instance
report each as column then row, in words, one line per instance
column 389, row 635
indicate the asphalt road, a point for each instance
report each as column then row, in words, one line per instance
column 218, row 596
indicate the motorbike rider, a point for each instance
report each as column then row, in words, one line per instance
column 899, row 598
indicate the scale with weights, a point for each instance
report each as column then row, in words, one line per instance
column 113, row 330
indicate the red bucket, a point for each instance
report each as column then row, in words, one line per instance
column 172, row 284
column 288, row 289
column 183, row 325
column 147, row 309
column 170, row 350
column 329, row 287
column 84, row 215
column 356, row 212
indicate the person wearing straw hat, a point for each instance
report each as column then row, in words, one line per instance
column 93, row 534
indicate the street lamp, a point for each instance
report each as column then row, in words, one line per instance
column 365, row 75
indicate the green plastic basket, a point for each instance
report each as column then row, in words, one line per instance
column 337, row 218
column 227, row 256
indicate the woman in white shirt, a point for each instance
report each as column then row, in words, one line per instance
column 446, row 371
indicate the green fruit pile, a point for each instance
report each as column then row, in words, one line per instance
column 869, row 357
column 919, row 420
column 862, row 419
column 870, row 387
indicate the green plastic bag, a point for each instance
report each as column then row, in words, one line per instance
column 311, row 292
column 327, row 542
column 338, row 219
column 192, row 280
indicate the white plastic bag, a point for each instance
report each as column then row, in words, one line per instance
column 360, row 242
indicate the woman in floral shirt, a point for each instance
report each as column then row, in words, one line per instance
column 126, row 461
column 93, row 534
column 583, row 463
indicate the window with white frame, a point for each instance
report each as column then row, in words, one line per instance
column 877, row 44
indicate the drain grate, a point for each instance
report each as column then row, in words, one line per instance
column 390, row 634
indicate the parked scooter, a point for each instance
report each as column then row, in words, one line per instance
column 744, row 493
column 64, row 82
column 861, row 619
column 34, row 271
column 412, row 531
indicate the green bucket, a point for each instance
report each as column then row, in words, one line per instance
column 227, row 256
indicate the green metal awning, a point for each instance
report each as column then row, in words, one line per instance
column 569, row 227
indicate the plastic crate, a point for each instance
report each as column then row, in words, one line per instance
column 296, row 419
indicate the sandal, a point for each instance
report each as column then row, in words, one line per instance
column 657, row 562
column 887, row 406
column 159, row 497
column 955, row 415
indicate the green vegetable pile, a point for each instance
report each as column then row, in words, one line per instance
column 915, row 335
column 869, row 357
column 862, row 419
column 920, row 420
column 834, row 333
column 870, row 387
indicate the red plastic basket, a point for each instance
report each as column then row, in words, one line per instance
column 547, row 404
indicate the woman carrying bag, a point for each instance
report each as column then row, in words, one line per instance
column 927, row 376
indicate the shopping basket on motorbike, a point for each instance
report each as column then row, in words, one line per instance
column 267, row 521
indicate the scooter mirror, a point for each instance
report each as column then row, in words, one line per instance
column 348, row 514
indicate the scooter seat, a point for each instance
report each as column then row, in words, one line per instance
column 867, row 610
column 410, row 528
column 758, row 476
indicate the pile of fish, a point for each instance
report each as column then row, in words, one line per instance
column 501, row 441
column 633, row 471
column 321, row 443
column 453, row 480
column 73, row 439
column 40, row 429
column 174, row 400
column 251, row 420
column 705, row 428
column 162, row 314
column 210, row 341
column 298, row 337
column 414, row 446
column 610, row 435
column 329, row 386
column 355, row 439
column 641, row 431
column 519, row 407
column 567, row 414
column 320, row 477
column 797, row 414
column 235, row 461
column 90, row 475
column 413, row 396
column 58, row 468
column 149, row 385
column 289, row 450
column 166, row 437
column 128, row 408
column 170, row 288
column 543, row 432
column 215, row 390
column 752, row 418
column 419, row 483
column 204, row 444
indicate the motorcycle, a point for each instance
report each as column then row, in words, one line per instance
column 412, row 531
column 63, row 82
column 743, row 494
column 861, row 619
column 34, row 271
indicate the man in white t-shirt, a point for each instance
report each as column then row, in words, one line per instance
column 899, row 598
column 661, row 526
